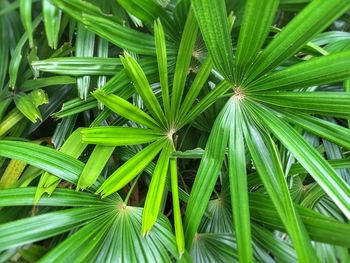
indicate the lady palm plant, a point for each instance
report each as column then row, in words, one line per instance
column 138, row 83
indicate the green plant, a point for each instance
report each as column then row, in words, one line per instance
column 175, row 111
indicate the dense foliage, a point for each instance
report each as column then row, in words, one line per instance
column 174, row 130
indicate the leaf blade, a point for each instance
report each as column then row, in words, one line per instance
column 143, row 88
column 331, row 131
column 59, row 164
column 183, row 60
column 162, row 61
column 210, row 164
column 94, row 166
column 125, row 173
column 26, row 17
column 267, row 163
column 52, row 21
column 212, row 19
column 36, row 228
column 179, row 234
column 196, row 86
column 205, row 103
column 317, row 71
column 156, row 190
column 325, row 103
column 126, row 109
column 321, row 171
column 85, row 44
column 310, row 21
column 119, row 136
column 253, row 32
column 79, row 66
column 238, row 186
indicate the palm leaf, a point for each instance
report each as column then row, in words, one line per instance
column 124, row 174
column 326, row 103
column 79, row 66
column 310, row 21
column 126, row 109
column 323, row 128
column 26, row 17
column 210, row 164
column 57, row 163
column 52, row 21
column 162, row 61
column 94, row 166
column 320, row 227
column 238, row 186
column 183, row 60
column 180, row 239
column 28, row 230
column 119, row 136
column 213, row 247
column 212, row 19
column 116, row 235
column 156, row 189
column 267, row 163
column 253, row 33
column 143, row 88
column 317, row 71
column 308, row 157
